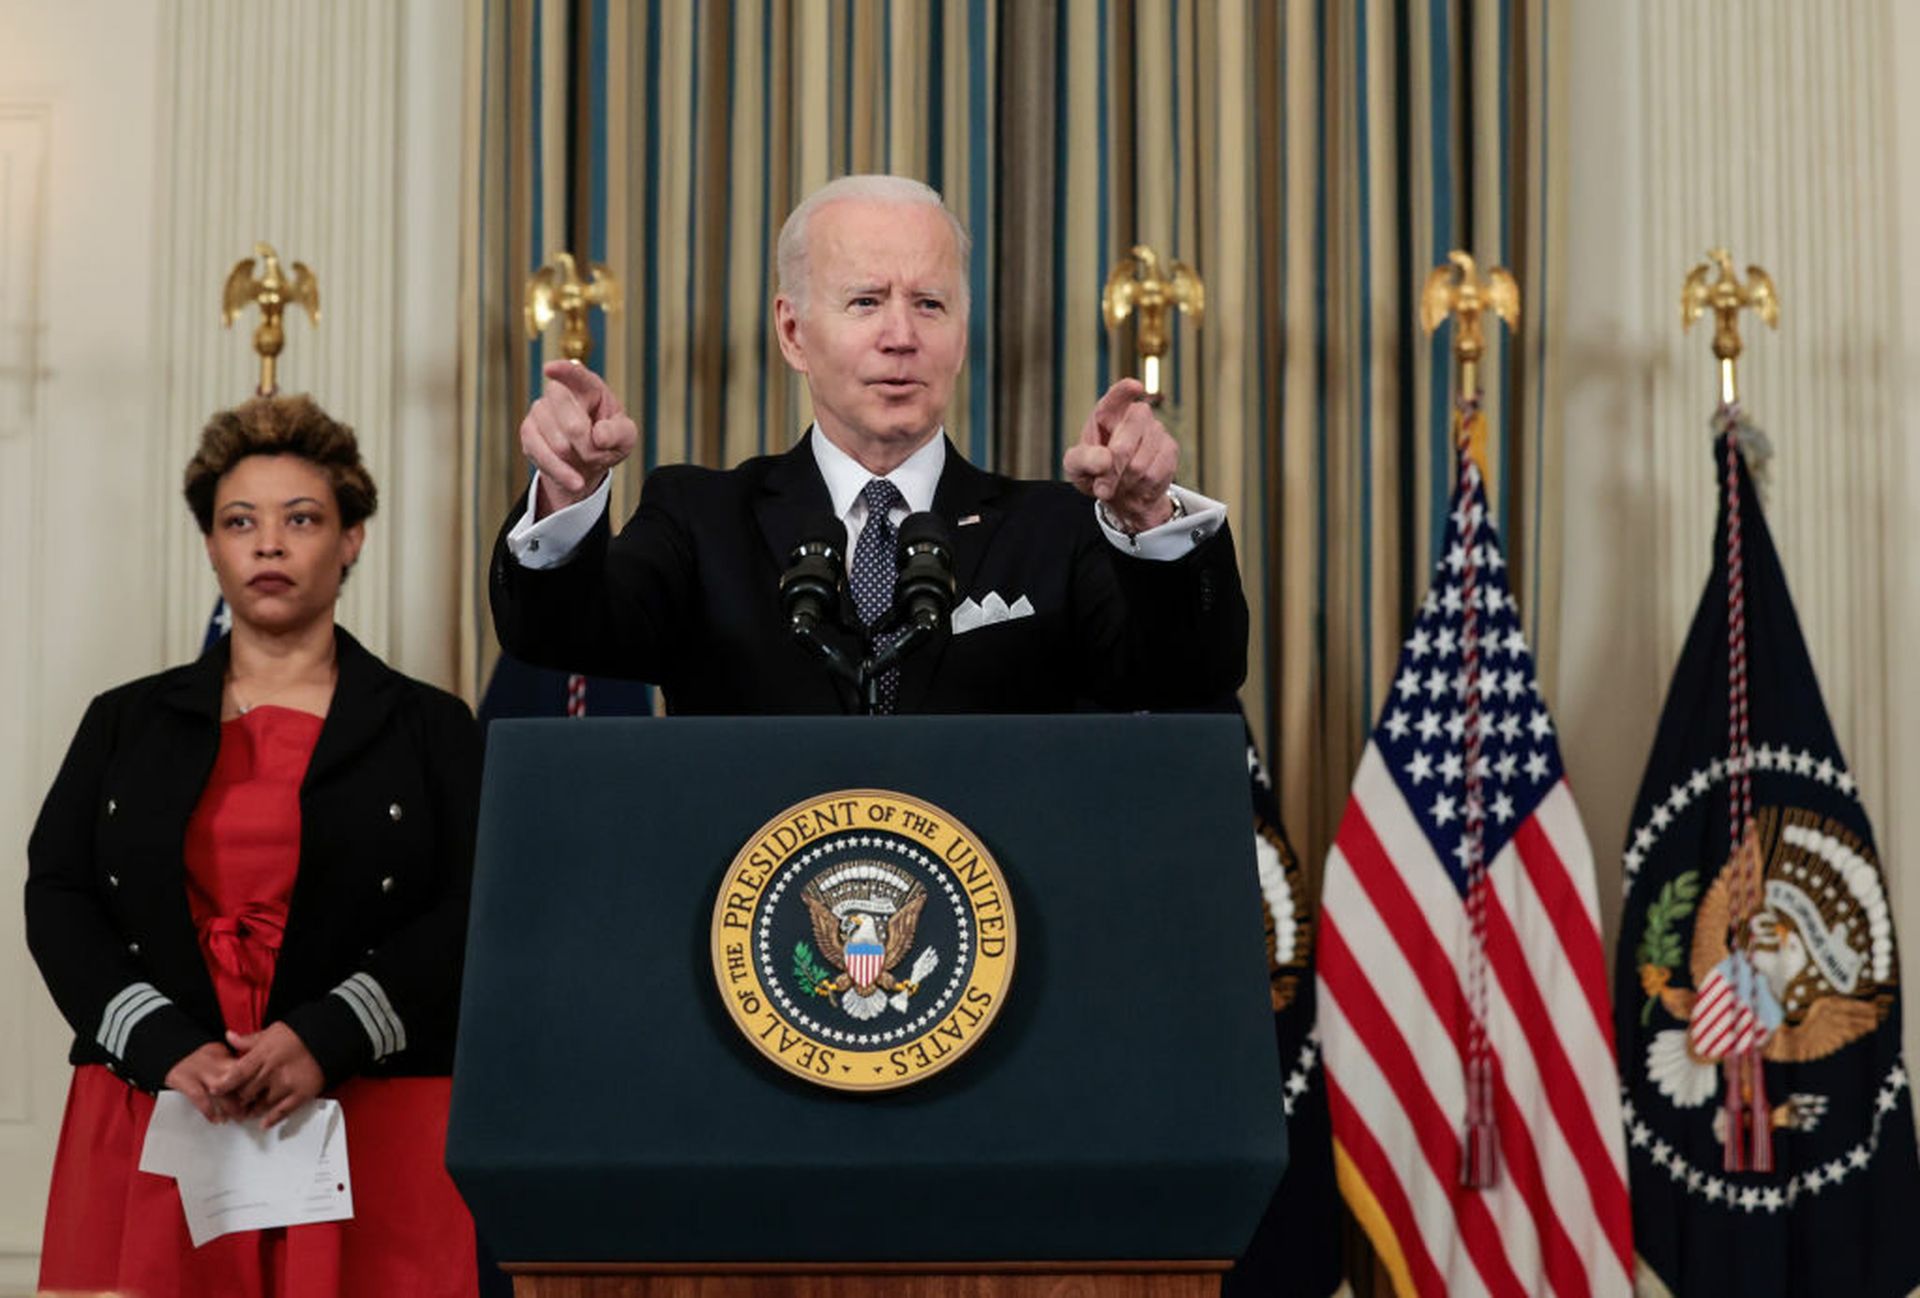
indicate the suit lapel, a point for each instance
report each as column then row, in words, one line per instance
column 792, row 495
column 967, row 502
column 193, row 694
column 196, row 687
column 791, row 498
column 363, row 700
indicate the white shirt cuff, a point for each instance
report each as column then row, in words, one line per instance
column 1177, row 537
column 552, row 540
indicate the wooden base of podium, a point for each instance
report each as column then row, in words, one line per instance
column 1185, row 1279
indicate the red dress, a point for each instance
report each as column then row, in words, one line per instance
column 112, row 1226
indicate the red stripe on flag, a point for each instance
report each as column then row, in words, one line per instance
column 1716, row 1016
column 1579, row 934
column 1438, row 1136
column 1403, row 917
column 1566, row 1269
column 1565, row 1096
column 1377, row 1171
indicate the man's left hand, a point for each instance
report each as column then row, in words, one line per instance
column 275, row 1072
column 1126, row 458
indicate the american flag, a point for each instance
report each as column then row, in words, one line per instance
column 219, row 622
column 1430, row 960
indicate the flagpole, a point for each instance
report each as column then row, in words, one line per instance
column 1456, row 289
column 558, row 291
column 272, row 292
column 1749, row 1143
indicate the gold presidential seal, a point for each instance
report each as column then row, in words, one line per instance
column 863, row 939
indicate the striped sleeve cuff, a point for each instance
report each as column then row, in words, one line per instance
column 368, row 1000
column 124, row 1013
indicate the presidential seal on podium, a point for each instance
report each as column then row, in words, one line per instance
column 863, row 939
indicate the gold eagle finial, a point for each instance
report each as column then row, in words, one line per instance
column 1727, row 297
column 1143, row 286
column 1455, row 288
column 557, row 289
column 271, row 291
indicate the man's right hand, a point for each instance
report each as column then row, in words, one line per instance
column 574, row 433
column 197, row 1076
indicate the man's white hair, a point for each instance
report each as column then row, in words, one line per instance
column 793, row 246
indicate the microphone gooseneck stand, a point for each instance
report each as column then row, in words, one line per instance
column 923, row 599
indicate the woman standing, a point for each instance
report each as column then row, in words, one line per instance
column 249, row 884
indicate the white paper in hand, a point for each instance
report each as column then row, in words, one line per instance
column 234, row 1176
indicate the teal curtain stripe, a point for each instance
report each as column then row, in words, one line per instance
column 980, row 221
column 536, row 192
column 1509, row 417
column 1270, row 514
column 723, row 157
column 1542, row 186
column 1176, row 351
column 1407, row 282
column 1062, row 152
column 1320, row 338
column 760, row 344
column 1364, row 133
column 690, row 300
column 847, row 74
column 1103, row 200
column 601, row 53
column 937, row 104
column 650, row 248
column 478, row 507
column 1441, row 135
column 886, row 84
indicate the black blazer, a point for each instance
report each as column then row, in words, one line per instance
column 387, row 812
column 687, row 596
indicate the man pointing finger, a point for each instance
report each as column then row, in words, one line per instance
column 1063, row 602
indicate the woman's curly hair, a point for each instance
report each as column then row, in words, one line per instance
column 280, row 426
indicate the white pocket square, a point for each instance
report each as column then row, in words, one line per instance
column 969, row 613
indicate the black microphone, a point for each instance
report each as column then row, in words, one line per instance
column 923, row 593
column 810, row 587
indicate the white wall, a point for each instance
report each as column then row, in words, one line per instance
column 144, row 146
column 78, row 566
column 1773, row 128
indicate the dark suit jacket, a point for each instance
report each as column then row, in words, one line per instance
column 387, row 812
column 687, row 596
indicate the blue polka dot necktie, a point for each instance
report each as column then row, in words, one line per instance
column 876, row 566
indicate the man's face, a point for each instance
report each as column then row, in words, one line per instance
column 883, row 333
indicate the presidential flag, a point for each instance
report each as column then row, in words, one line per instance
column 1295, row 1252
column 1463, row 1015
column 1770, row 1123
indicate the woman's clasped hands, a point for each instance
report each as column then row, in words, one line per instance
column 269, row 1073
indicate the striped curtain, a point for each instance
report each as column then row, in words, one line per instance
column 1312, row 159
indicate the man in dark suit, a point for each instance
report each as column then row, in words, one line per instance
column 1129, row 600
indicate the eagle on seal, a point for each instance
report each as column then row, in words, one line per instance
column 864, row 947
column 1818, row 943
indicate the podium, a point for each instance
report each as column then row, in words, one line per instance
column 1117, row 1131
